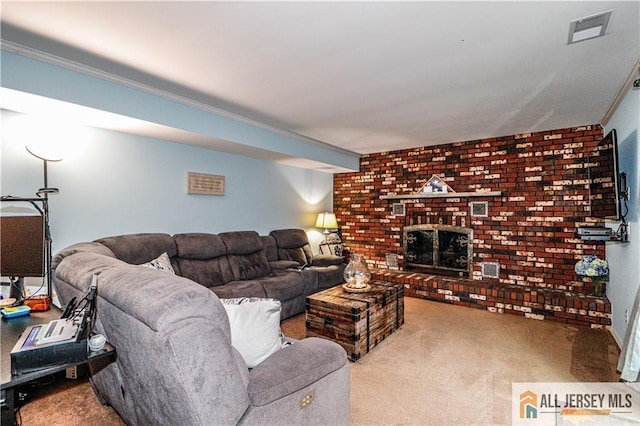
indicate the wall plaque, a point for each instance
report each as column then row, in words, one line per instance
column 205, row 184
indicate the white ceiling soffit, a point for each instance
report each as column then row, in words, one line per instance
column 40, row 106
column 362, row 76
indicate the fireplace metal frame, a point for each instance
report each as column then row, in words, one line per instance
column 436, row 268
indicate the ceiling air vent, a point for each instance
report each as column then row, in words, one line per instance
column 490, row 269
column 589, row 27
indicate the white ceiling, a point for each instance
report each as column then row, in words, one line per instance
column 363, row 76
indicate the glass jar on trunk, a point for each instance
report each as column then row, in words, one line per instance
column 357, row 274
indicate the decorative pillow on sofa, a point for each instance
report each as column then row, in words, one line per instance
column 255, row 327
column 161, row 263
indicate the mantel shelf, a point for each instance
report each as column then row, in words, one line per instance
column 442, row 195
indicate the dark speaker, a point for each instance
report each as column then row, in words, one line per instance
column 22, row 246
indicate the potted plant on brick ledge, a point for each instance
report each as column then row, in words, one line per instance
column 596, row 269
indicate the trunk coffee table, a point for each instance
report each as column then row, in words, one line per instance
column 356, row 321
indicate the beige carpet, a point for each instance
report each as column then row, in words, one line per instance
column 446, row 365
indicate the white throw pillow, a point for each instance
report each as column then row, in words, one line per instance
column 161, row 263
column 255, row 327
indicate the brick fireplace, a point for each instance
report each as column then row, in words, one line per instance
column 534, row 193
column 443, row 249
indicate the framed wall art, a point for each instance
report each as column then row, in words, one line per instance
column 205, row 184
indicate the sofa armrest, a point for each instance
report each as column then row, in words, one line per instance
column 327, row 260
column 284, row 264
column 293, row 368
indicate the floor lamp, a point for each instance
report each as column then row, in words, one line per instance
column 44, row 193
column 41, row 204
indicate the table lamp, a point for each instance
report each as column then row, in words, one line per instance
column 327, row 221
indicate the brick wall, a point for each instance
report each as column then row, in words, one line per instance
column 531, row 227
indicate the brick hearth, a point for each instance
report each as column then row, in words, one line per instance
column 536, row 303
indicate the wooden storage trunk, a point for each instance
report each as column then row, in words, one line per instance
column 357, row 321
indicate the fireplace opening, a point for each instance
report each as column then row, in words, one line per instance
column 439, row 249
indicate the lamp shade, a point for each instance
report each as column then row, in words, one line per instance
column 327, row 221
column 50, row 138
column 44, row 152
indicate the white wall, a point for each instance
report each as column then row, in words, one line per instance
column 624, row 259
column 115, row 183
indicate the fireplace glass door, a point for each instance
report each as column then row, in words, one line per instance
column 440, row 249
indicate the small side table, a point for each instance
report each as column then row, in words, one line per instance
column 11, row 329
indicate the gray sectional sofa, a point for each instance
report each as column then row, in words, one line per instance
column 280, row 265
column 175, row 363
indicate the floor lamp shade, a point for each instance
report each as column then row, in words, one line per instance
column 44, row 152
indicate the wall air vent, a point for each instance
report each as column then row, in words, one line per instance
column 398, row 209
column 589, row 27
column 490, row 269
column 479, row 209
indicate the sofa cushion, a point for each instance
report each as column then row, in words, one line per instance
column 293, row 244
column 246, row 257
column 245, row 288
column 202, row 258
column 327, row 260
column 209, row 273
column 297, row 255
column 270, row 247
column 241, row 242
column 249, row 266
column 195, row 245
column 140, row 248
column 329, row 276
column 161, row 263
column 290, row 238
column 283, row 285
column 287, row 371
column 255, row 327
column 284, row 264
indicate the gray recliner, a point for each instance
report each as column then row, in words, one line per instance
column 293, row 245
